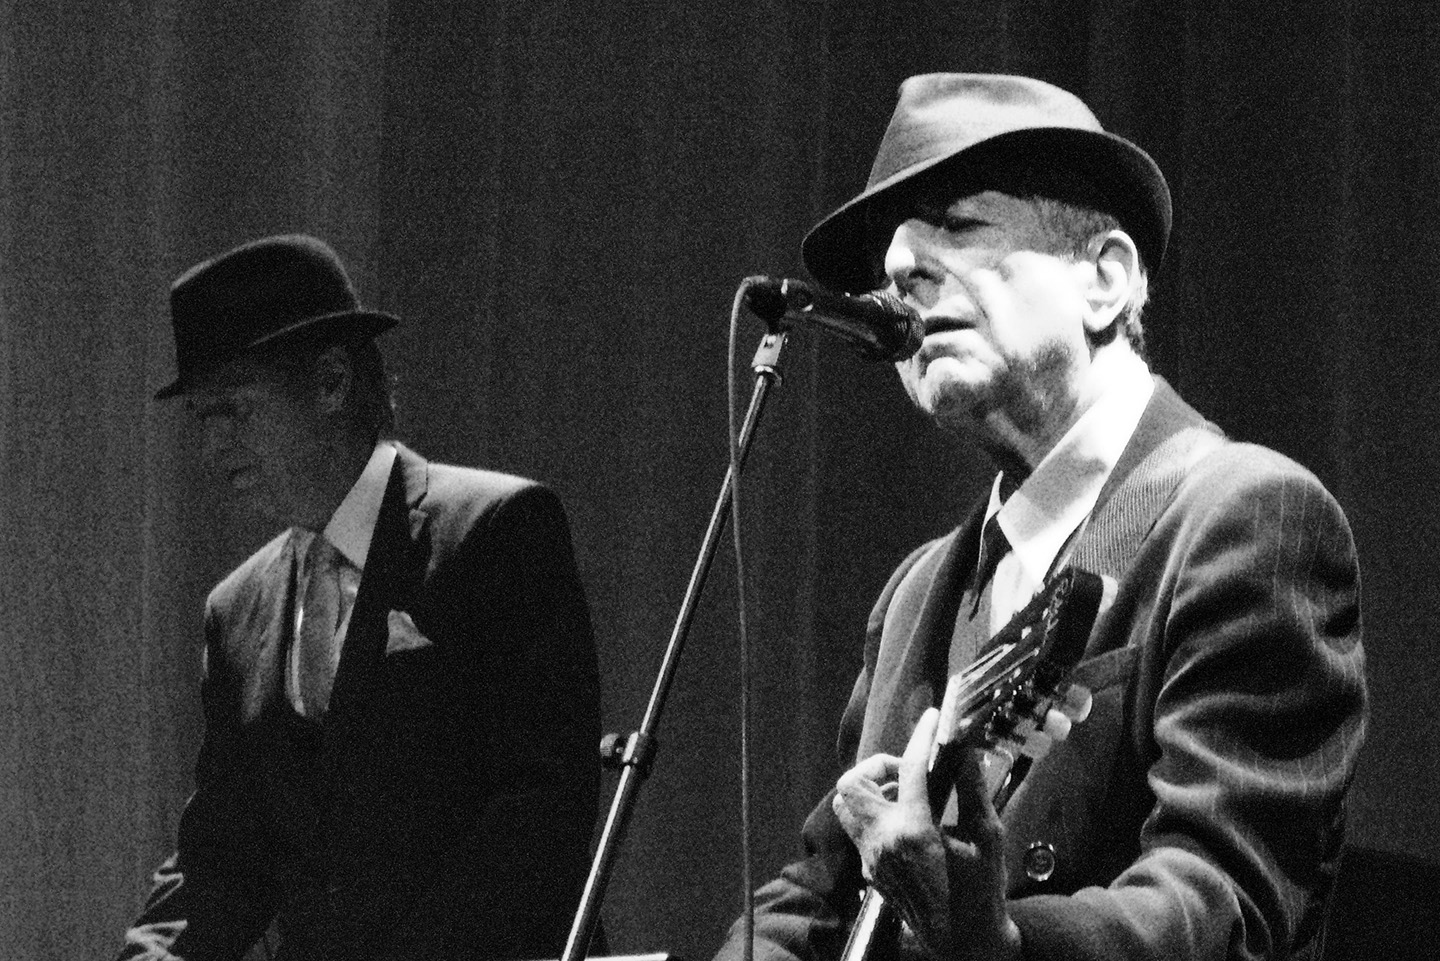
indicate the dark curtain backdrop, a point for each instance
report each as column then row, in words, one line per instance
column 560, row 199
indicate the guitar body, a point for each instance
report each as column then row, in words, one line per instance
column 1000, row 705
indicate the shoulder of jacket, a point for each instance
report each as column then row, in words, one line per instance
column 234, row 583
column 1239, row 465
column 451, row 480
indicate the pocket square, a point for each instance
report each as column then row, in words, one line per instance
column 404, row 635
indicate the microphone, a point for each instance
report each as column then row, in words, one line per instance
column 879, row 325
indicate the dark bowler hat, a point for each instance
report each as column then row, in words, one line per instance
column 260, row 293
column 990, row 131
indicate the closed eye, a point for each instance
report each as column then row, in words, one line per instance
column 939, row 215
column 960, row 225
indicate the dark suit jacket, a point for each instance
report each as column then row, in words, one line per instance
column 1198, row 812
column 443, row 809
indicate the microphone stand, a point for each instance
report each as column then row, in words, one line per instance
column 635, row 753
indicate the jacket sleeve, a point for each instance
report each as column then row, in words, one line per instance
column 1248, row 715
column 213, row 898
column 806, row 912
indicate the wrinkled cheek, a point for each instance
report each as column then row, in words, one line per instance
column 993, row 293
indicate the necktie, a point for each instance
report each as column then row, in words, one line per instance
column 319, row 621
column 993, row 546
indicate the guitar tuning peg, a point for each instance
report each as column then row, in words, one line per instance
column 1109, row 587
column 1038, row 744
column 1057, row 725
column 1077, row 702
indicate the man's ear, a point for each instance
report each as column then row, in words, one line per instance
column 1117, row 262
column 334, row 378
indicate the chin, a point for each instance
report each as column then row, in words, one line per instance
column 948, row 395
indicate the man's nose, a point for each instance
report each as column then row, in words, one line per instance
column 906, row 264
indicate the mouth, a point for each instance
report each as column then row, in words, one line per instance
column 941, row 325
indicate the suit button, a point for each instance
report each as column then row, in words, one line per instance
column 1039, row 861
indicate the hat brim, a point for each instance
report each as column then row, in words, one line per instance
column 843, row 251
column 344, row 325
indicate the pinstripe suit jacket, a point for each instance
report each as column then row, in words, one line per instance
column 1198, row 812
column 443, row 808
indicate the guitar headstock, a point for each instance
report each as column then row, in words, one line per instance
column 1014, row 698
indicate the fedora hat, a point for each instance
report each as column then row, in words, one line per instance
column 984, row 131
column 263, row 292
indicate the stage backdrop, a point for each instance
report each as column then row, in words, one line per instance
column 560, row 200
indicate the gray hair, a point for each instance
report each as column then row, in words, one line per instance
column 1070, row 228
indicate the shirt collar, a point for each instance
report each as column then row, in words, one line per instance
column 1061, row 492
column 353, row 523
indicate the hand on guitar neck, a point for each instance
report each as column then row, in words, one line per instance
column 941, row 886
column 948, row 885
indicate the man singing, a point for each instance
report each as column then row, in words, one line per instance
column 1198, row 812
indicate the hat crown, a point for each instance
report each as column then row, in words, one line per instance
column 285, row 278
column 257, row 293
column 939, row 114
column 968, row 128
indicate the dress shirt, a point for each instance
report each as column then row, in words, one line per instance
column 349, row 532
column 1042, row 516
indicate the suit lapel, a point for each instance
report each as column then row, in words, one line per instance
column 912, row 662
column 1168, row 439
column 1164, row 417
column 393, row 573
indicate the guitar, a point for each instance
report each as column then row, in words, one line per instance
column 1012, row 703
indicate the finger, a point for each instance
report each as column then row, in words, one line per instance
column 845, row 814
column 921, row 739
column 913, row 796
column 976, row 818
column 858, row 801
column 860, row 792
column 859, row 809
column 877, row 768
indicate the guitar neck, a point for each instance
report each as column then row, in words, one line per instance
column 1007, row 687
column 875, row 924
